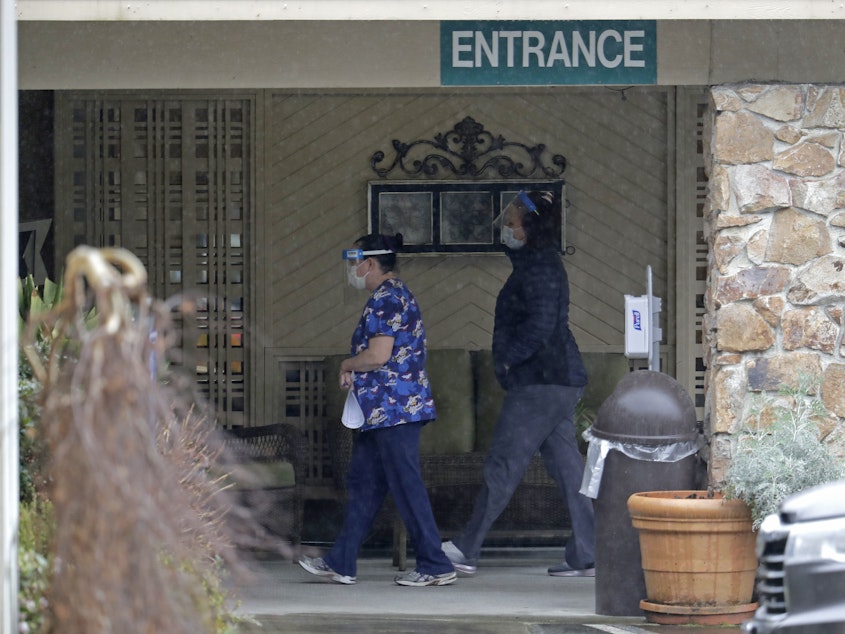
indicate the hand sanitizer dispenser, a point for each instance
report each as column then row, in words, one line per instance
column 637, row 327
column 642, row 333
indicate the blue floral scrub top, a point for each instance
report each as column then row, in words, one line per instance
column 398, row 392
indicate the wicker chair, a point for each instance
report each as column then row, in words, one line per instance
column 268, row 475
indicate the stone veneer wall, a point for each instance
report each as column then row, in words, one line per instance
column 775, row 223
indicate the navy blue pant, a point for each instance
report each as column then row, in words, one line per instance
column 387, row 460
column 534, row 418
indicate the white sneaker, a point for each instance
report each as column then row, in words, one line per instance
column 316, row 566
column 457, row 558
column 565, row 570
column 415, row 578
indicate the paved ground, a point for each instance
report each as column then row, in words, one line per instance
column 511, row 594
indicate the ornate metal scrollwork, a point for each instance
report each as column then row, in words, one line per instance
column 468, row 151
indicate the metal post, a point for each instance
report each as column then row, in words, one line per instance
column 655, row 334
column 8, row 318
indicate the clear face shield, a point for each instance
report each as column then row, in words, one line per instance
column 352, row 260
column 512, row 215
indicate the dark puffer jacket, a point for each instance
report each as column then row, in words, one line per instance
column 532, row 343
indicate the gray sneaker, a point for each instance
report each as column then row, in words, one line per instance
column 415, row 578
column 316, row 566
column 457, row 558
column 565, row 570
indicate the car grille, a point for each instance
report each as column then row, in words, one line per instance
column 770, row 591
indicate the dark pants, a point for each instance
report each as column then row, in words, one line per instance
column 387, row 460
column 534, row 418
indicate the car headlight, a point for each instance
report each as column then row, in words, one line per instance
column 815, row 541
column 771, row 529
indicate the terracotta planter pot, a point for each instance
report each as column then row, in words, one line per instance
column 698, row 556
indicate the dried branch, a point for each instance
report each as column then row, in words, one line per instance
column 140, row 520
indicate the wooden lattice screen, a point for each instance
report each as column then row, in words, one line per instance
column 171, row 180
column 701, row 255
column 692, row 247
column 299, row 399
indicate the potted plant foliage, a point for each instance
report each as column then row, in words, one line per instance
column 781, row 451
column 697, row 547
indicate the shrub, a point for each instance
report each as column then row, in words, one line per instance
column 36, row 529
column 36, row 525
column 786, row 456
column 32, row 300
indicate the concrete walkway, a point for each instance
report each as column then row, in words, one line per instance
column 511, row 593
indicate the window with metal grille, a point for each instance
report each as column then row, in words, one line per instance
column 170, row 180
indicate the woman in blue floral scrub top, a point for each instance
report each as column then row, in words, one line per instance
column 398, row 392
column 387, row 373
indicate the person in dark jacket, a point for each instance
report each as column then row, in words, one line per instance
column 538, row 363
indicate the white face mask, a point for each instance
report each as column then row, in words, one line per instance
column 509, row 240
column 358, row 282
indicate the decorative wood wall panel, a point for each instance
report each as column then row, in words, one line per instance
column 169, row 179
column 318, row 147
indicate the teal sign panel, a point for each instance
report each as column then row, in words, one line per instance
column 531, row 53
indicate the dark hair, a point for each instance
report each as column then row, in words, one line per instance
column 543, row 227
column 379, row 242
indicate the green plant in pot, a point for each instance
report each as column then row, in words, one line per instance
column 781, row 450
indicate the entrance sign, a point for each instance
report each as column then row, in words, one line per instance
column 530, row 53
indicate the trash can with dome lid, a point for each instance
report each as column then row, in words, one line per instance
column 644, row 439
